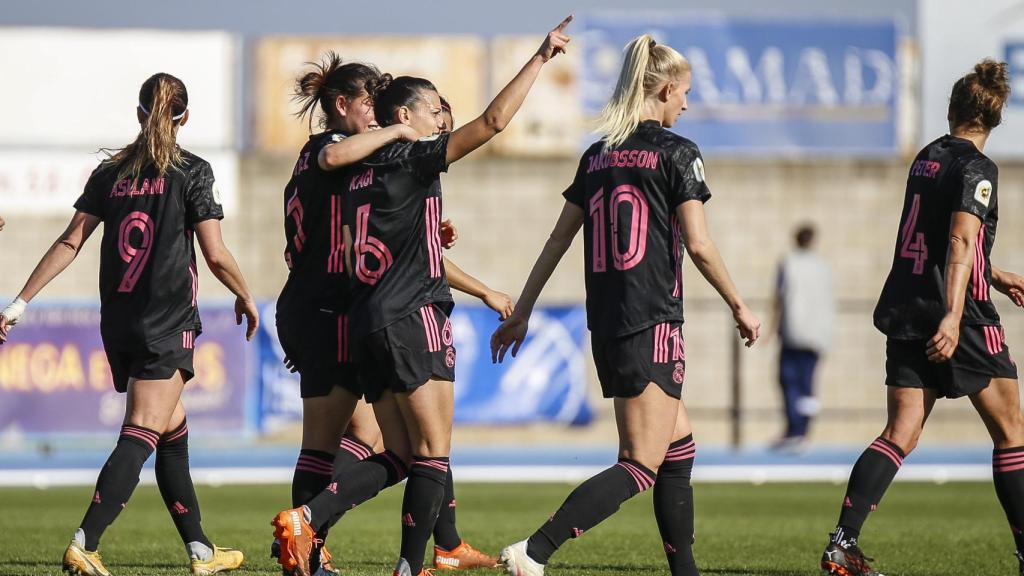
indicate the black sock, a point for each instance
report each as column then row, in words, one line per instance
column 353, row 485
column 350, row 451
column 869, row 480
column 175, row 483
column 673, row 506
column 423, row 495
column 589, row 504
column 313, row 471
column 1008, row 475
column 117, row 481
column 446, row 535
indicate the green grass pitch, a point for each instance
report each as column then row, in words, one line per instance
column 770, row 530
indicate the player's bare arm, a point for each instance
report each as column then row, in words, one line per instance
column 354, row 148
column 1010, row 284
column 512, row 332
column 224, row 267
column 963, row 233
column 500, row 111
column 60, row 255
column 701, row 248
column 467, row 284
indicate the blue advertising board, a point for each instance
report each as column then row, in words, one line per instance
column 546, row 382
column 54, row 376
column 765, row 86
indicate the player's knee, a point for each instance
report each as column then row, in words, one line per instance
column 650, row 459
column 904, row 437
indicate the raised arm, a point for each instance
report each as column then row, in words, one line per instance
column 467, row 284
column 963, row 232
column 512, row 332
column 706, row 257
column 500, row 111
column 60, row 255
column 354, row 148
column 224, row 267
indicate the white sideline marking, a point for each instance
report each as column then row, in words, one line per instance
column 937, row 473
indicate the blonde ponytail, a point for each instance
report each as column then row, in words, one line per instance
column 647, row 66
column 163, row 101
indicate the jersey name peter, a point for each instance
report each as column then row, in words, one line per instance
column 632, row 236
column 148, row 279
column 393, row 212
column 949, row 175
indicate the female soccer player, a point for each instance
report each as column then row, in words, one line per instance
column 638, row 193
column 154, row 196
column 400, row 303
column 944, row 336
column 311, row 310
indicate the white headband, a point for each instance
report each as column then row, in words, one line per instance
column 178, row 117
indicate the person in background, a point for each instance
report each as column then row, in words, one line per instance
column 804, row 313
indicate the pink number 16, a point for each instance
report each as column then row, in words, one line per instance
column 135, row 256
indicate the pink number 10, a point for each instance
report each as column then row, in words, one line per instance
column 638, row 219
column 135, row 256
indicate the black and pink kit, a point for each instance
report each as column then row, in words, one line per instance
column 949, row 175
column 633, row 255
column 400, row 299
column 312, row 326
column 148, row 280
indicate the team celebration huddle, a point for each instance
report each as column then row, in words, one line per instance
column 365, row 315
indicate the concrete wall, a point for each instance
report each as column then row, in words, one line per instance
column 505, row 208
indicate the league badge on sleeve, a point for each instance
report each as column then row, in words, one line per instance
column 983, row 192
column 698, row 169
column 216, row 194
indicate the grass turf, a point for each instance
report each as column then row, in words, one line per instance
column 770, row 530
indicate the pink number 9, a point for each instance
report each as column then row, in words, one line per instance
column 135, row 256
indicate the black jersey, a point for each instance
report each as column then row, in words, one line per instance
column 949, row 175
column 148, row 279
column 393, row 211
column 632, row 238
column 314, row 250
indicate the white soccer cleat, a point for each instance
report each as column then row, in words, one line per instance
column 518, row 563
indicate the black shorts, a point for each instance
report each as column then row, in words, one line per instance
column 405, row 355
column 157, row 360
column 980, row 356
column 317, row 344
column 627, row 364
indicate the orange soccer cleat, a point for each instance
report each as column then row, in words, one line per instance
column 296, row 537
column 462, row 557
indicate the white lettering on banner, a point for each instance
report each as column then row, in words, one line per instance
column 812, row 83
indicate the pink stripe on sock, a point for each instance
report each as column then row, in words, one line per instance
column 1012, row 468
column 143, row 437
column 883, row 448
column 175, row 435
column 317, row 471
column 314, row 466
column 357, row 449
column 398, row 467
column 643, row 480
column 1011, row 458
column 435, row 464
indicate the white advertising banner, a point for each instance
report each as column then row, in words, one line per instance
column 956, row 35
column 79, row 88
column 47, row 182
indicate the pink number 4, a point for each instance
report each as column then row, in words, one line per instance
column 912, row 243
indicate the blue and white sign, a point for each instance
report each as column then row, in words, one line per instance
column 765, row 86
column 547, row 382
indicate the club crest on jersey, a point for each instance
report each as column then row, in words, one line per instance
column 983, row 192
column 698, row 169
